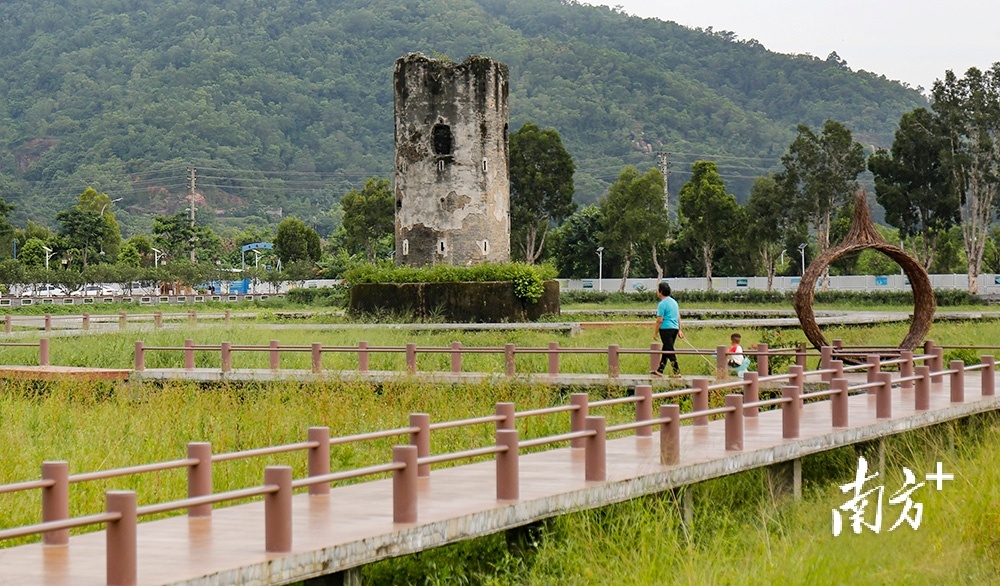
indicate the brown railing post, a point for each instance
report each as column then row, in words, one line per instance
column 188, row 354
column 192, row 317
column 790, row 412
column 227, row 356
column 509, row 366
column 644, row 410
column 48, row 322
column 956, row 381
column 120, row 537
column 553, row 358
column 874, row 367
column 763, row 362
column 55, row 500
column 614, row 366
column 508, row 475
column 722, row 361
column 362, row 356
column 906, row 369
column 157, row 319
column 422, row 440
column 883, row 396
column 578, row 417
column 838, row 367
column 228, row 315
column 734, row 423
column 122, row 320
column 278, row 510
column 670, row 435
column 404, row 485
column 838, row 401
column 699, row 400
column 8, row 323
column 319, row 458
column 654, row 355
column 800, row 355
column 837, row 344
column 505, row 410
column 43, row 352
column 596, row 450
column 797, row 373
column 274, row 355
column 411, row 358
column 938, row 364
column 751, row 392
column 140, row 356
column 86, row 322
column 316, row 351
column 826, row 362
column 456, row 357
column 922, row 397
column 200, row 477
column 989, row 372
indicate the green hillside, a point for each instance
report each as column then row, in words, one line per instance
column 283, row 105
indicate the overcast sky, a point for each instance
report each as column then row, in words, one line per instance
column 913, row 41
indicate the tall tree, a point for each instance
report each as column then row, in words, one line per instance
column 769, row 219
column 369, row 214
column 541, row 186
column 821, row 172
column 707, row 213
column 575, row 244
column 969, row 111
column 914, row 183
column 632, row 210
column 296, row 242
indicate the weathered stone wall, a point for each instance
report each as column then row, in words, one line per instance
column 488, row 302
column 451, row 183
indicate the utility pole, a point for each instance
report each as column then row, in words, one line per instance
column 193, row 178
column 664, row 159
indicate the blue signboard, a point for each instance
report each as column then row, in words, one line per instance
column 881, row 281
column 588, row 284
column 741, row 283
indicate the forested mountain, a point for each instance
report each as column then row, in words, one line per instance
column 284, row 105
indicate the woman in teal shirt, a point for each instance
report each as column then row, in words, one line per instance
column 668, row 328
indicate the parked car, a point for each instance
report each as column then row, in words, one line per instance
column 45, row 290
column 93, row 291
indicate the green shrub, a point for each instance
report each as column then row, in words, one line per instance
column 528, row 279
column 326, row 296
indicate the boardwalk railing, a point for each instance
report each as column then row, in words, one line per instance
column 43, row 349
column 456, row 351
column 414, row 459
column 123, row 318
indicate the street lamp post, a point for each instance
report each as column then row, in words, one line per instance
column 802, row 251
column 600, row 267
column 117, row 199
column 256, row 268
column 48, row 254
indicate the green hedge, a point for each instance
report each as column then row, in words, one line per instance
column 324, row 296
column 528, row 279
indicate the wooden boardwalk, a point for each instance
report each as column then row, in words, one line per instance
column 354, row 524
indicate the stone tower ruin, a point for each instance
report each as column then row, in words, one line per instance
column 452, row 184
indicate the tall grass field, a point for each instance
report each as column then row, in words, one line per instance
column 738, row 534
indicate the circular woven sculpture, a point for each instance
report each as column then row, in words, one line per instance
column 863, row 235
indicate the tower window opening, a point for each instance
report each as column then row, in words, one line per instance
column 486, row 247
column 441, row 165
column 406, row 247
column 484, row 165
column 442, row 250
column 442, row 139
